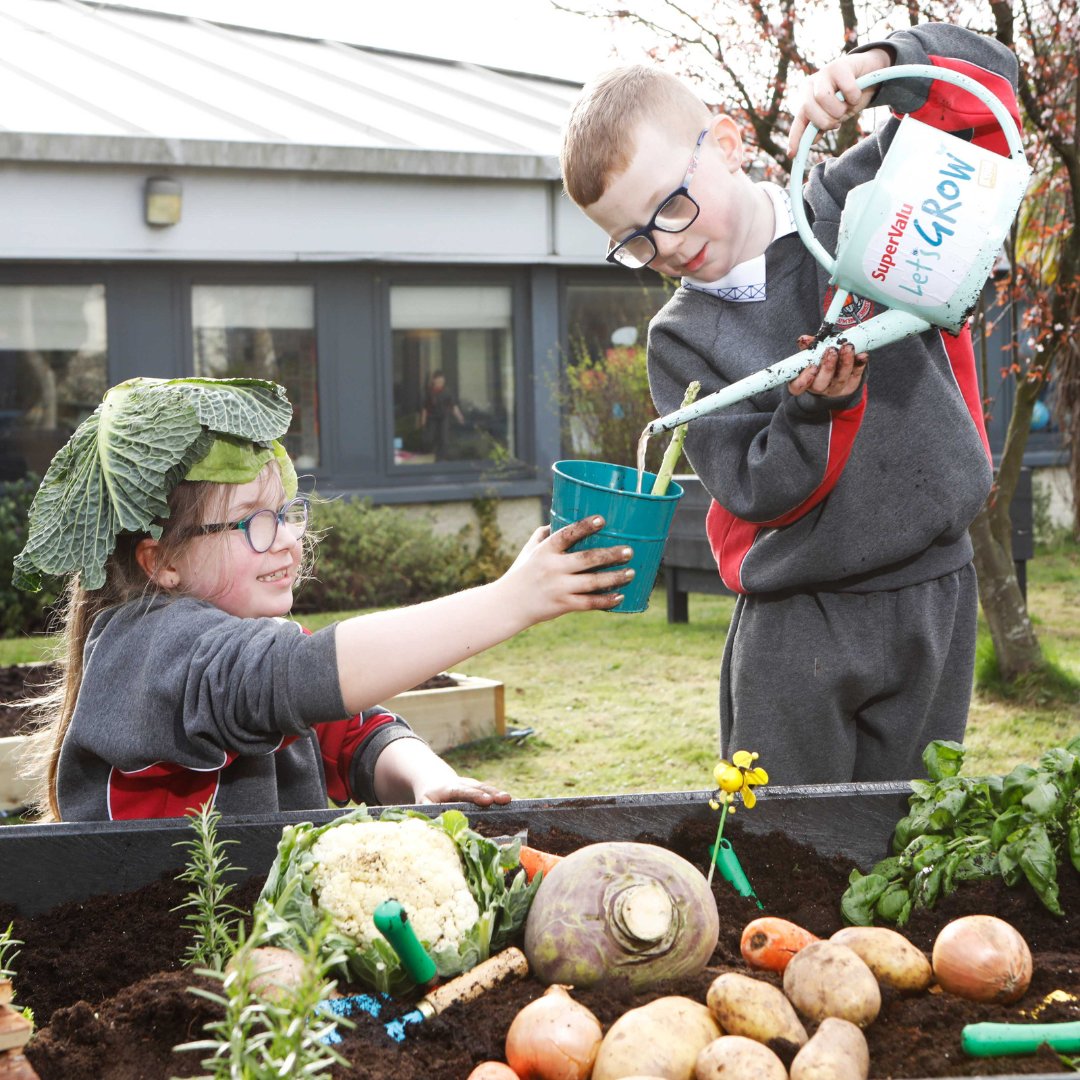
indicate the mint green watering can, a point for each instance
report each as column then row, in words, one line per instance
column 920, row 238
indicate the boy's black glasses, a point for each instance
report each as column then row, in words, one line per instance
column 674, row 215
column 261, row 528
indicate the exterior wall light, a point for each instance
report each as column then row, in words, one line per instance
column 163, row 199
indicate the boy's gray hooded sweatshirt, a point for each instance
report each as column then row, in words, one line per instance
column 857, row 494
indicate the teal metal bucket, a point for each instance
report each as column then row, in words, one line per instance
column 582, row 489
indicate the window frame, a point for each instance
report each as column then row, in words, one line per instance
column 413, row 476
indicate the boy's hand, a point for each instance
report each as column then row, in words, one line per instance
column 837, row 375
column 821, row 106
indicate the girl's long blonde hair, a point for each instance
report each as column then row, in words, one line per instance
column 190, row 504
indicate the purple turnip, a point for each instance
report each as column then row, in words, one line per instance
column 621, row 910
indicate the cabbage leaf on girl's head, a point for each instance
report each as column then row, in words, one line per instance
column 117, row 470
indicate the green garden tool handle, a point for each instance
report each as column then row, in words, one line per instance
column 731, row 869
column 392, row 921
column 992, row 1040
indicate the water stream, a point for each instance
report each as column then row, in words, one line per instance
column 642, row 446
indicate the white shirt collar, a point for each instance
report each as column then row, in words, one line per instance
column 745, row 283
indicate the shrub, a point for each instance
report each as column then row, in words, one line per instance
column 20, row 612
column 490, row 559
column 607, row 403
column 372, row 556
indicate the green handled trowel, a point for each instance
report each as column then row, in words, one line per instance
column 993, row 1040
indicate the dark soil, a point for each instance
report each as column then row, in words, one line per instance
column 21, row 681
column 17, row 683
column 105, row 982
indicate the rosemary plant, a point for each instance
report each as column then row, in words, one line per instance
column 212, row 920
column 8, row 951
column 271, row 1032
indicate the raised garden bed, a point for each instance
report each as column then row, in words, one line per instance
column 103, row 976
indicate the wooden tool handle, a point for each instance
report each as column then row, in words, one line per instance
column 503, row 966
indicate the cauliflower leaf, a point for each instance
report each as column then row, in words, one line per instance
column 450, row 879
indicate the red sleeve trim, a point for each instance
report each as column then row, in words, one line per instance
column 961, row 356
column 948, row 108
column 731, row 537
column 339, row 742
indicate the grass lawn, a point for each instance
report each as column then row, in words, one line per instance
column 628, row 703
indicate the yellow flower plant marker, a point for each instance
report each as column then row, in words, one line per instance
column 737, row 777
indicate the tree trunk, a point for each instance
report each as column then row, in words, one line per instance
column 1015, row 644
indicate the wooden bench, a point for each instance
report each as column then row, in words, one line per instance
column 689, row 565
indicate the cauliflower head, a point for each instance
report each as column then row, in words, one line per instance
column 359, row 865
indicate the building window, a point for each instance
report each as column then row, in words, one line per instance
column 53, row 370
column 453, row 374
column 604, row 390
column 605, row 315
column 263, row 332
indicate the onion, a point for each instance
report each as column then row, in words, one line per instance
column 982, row 958
column 493, row 1070
column 553, row 1038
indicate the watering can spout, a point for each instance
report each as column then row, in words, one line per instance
column 889, row 326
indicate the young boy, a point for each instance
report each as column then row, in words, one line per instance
column 841, row 501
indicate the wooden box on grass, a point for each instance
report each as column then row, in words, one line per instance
column 449, row 716
column 14, row 790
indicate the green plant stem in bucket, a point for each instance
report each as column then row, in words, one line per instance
column 674, row 447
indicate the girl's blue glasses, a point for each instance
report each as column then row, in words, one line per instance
column 261, row 527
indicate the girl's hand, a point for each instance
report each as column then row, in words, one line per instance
column 821, row 106
column 463, row 789
column 548, row 580
column 838, row 374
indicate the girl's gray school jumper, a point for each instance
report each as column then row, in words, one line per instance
column 181, row 702
column 842, row 523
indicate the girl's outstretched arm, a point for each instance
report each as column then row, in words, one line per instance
column 388, row 652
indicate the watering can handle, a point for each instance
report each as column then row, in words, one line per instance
column 901, row 71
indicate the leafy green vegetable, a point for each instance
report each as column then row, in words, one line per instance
column 116, row 471
column 1019, row 826
column 291, row 911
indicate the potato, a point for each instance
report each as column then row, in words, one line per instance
column 752, row 1007
column 273, row 972
column 827, row 979
column 890, row 956
column 734, row 1057
column 838, row 1051
column 660, row 1039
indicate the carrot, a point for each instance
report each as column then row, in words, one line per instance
column 770, row 942
column 535, row 861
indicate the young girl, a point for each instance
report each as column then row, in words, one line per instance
column 182, row 682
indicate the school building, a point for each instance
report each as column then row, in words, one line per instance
column 384, row 234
